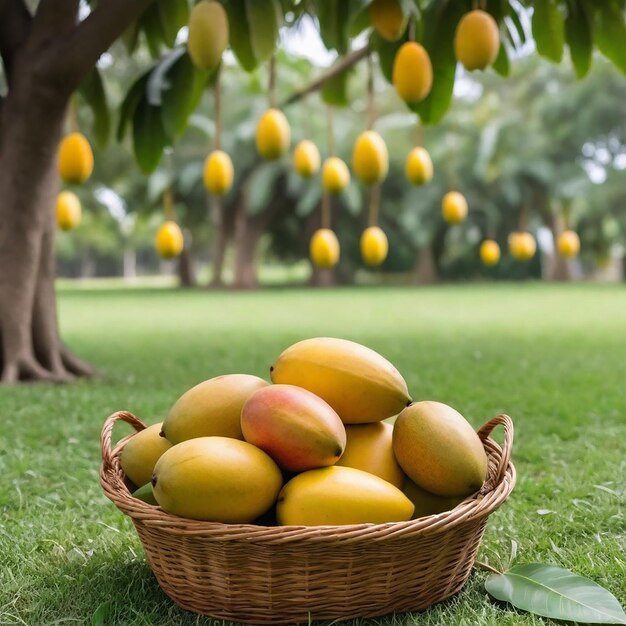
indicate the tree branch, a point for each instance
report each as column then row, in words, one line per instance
column 55, row 18
column 15, row 21
column 94, row 35
column 344, row 64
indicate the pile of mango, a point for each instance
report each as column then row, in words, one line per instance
column 312, row 448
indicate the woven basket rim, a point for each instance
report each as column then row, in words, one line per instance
column 500, row 481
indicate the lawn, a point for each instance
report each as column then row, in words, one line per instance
column 552, row 357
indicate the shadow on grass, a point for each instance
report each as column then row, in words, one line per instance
column 107, row 592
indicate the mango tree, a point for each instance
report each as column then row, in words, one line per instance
column 50, row 49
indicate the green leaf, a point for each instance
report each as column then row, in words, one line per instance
column 440, row 22
column 578, row 36
column 334, row 19
column 92, row 90
column 548, row 29
column 130, row 37
column 266, row 18
column 557, row 593
column 149, row 137
column 261, row 187
column 253, row 30
column 335, row 90
column 359, row 17
column 173, row 15
column 352, row 198
column 514, row 25
column 610, row 32
column 180, row 99
column 386, row 51
column 309, row 200
column 150, row 24
column 501, row 65
column 130, row 102
column 159, row 181
column 158, row 81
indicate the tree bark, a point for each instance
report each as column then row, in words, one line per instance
column 223, row 221
column 186, row 269
column 425, row 267
column 248, row 231
column 45, row 57
column 560, row 269
column 31, row 124
column 322, row 277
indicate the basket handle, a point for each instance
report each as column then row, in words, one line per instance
column 107, row 429
column 507, row 447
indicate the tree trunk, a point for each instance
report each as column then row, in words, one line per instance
column 45, row 57
column 223, row 222
column 425, row 267
column 248, row 231
column 322, row 277
column 30, row 128
column 186, row 269
column 560, row 268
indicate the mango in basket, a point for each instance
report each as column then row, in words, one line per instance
column 294, row 426
column 338, row 496
column 145, row 494
column 427, row 503
column 369, row 448
column 360, row 384
column 141, row 453
column 211, row 408
column 216, row 479
column 439, row 450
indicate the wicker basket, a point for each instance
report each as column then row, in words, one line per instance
column 294, row 574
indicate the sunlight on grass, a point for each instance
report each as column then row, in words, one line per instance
column 551, row 357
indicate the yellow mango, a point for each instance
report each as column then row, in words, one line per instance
column 374, row 246
column 218, row 173
column 439, row 450
column 477, row 40
column 306, row 159
column 216, row 479
column 370, row 158
column 211, row 408
column 418, row 167
column 489, row 252
column 68, row 210
column 338, row 496
column 454, row 207
column 412, row 72
column 522, row 245
column 568, row 244
column 169, row 241
column 324, row 248
column 369, row 448
column 273, row 134
column 141, row 453
column 208, row 34
column 360, row 384
column 387, row 18
column 75, row 158
column 335, row 175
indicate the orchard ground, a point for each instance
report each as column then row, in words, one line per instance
column 553, row 357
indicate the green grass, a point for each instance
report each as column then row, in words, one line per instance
column 553, row 357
